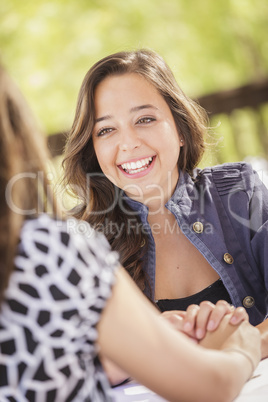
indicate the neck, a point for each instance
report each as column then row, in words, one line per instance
column 157, row 200
column 161, row 222
column 158, row 196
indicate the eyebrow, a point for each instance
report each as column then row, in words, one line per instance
column 133, row 109
column 137, row 108
column 103, row 118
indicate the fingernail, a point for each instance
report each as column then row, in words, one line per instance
column 233, row 320
column 199, row 334
column 187, row 326
column 211, row 325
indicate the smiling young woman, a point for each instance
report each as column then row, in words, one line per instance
column 185, row 235
column 174, row 113
column 135, row 137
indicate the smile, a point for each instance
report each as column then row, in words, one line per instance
column 138, row 166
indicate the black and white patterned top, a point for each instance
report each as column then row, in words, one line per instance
column 54, row 300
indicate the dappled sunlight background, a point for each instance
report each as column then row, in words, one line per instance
column 211, row 46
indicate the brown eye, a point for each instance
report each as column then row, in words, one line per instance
column 145, row 120
column 104, row 131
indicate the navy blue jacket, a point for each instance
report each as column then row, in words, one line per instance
column 231, row 203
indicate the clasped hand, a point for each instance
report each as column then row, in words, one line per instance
column 197, row 320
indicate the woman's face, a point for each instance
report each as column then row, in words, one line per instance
column 135, row 137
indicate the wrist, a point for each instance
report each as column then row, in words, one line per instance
column 264, row 342
column 246, row 356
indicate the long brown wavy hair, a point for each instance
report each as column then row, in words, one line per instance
column 22, row 172
column 102, row 203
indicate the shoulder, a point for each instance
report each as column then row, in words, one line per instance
column 66, row 260
column 44, row 235
column 228, row 177
column 49, row 239
column 226, row 170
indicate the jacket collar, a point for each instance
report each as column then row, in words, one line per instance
column 182, row 197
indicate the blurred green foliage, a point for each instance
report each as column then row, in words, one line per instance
column 211, row 45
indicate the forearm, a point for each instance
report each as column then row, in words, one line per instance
column 165, row 360
column 115, row 375
column 230, row 372
column 263, row 328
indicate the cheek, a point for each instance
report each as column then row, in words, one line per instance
column 170, row 133
column 170, row 143
column 171, row 153
column 105, row 157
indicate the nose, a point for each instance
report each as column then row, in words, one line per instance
column 129, row 140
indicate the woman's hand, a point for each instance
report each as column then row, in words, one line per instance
column 228, row 337
column 242, row 339
column 196, row 321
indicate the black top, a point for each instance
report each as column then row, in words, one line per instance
column 213, row 293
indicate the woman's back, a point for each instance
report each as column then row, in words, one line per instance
column 55, row 296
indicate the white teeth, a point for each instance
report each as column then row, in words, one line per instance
column 138, row 166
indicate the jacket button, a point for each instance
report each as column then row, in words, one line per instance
column 248, row 301
column 228, row 258
column 198, row 227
